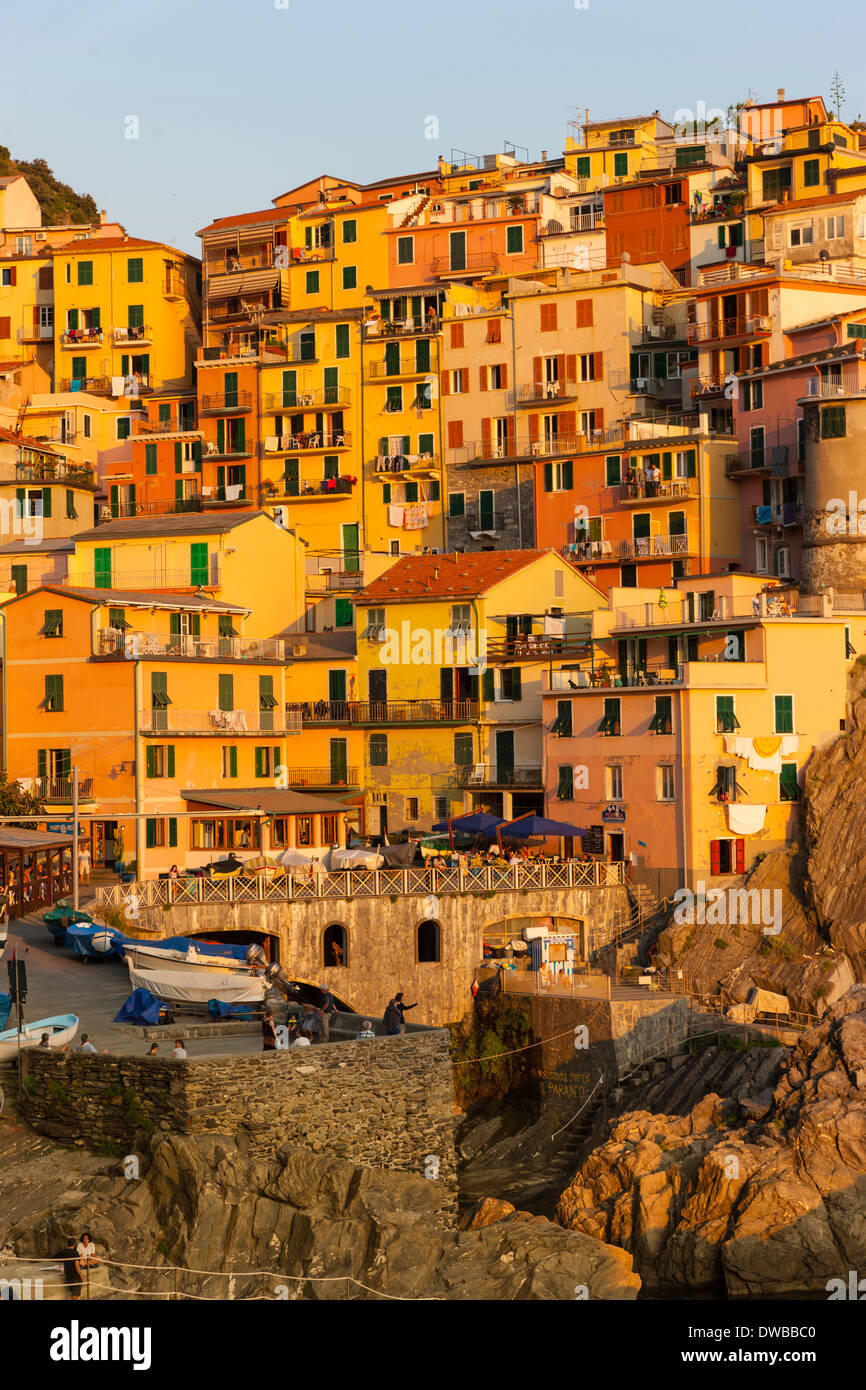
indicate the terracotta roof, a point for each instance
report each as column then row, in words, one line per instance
column 50, row 545
column 320, row 646
column 818, row 201
column 447, row 576
column 115, row 243
column 187, row 524
column 806, row 359
column 136, row 598
column 10, row 437
column 242, row 219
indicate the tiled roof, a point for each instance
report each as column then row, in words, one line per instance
column 447, row 576
column 187, row 524
column 321, row 646
column 243, row 219
column 119, row 598
column 10, row 437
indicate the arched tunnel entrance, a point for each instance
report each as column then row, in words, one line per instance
column 309, row 991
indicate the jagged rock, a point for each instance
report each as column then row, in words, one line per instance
column 772, row 1207
column 485, row 1213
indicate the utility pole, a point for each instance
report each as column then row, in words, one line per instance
column 74, row 840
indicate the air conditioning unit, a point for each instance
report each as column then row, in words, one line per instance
column 41, row 236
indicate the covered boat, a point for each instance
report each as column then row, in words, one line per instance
column 198, row 986
column 60, row 1029
column 149, row 956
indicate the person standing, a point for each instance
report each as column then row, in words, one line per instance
column 269, row 1032
column 402, row 1010
column 392, row 1019
column 84, row 864
column 310, row 1024
column 179, row 1051
column 327, row 1010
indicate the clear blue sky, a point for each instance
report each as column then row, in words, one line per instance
column 237, row 102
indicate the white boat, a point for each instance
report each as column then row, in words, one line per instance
column 187, row 986
column 148, row 957
column 60, row 1029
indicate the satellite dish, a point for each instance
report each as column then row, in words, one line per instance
column 625, row 257
column 824, row 255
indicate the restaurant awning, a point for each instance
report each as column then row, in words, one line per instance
column 267, row 801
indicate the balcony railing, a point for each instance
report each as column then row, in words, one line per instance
column 462, row 265
column 141, row 334
column 782, row 604
column 36, row 333
column 706, row 386
column 323, row 777
column 134, row 580
column 320, row 398
column 649, row 547
column 538, row 392
column 334, row 581
column 500, row 776
column 175, row 425
column 307, row 442
column 783, row 514
column 320, row 711
column 230, row 450
column 667, row 488
column 535, row 647
column 737, row 464
column 488, row 523
column 412, row 711
column 93, row 385
column 836, row 384
column 81, row 337
column 234, row 264
column 720, row 329
column 226, row 403
column 401, row 328
column 121, row 510
column 607, row 677
column 170, row 720
column 111, row 642
column 405, row 463
column 376, row 371
column 311, row 255
column 55, row 471
column 49, row 789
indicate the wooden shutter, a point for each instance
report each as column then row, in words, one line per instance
column 599, row 419
column 464, row 379
column 509, row 434
column 226, row 692
column 598, row 366
column 516, row 687
column 487, row 687
column 169, row 758
column 457, row 335
column 503, row 375
column 568, row 475
column 568, row 421
column 583, row 316
column 150, row 760
column 5, row 327
column 533, row 429
column 455, row 434
column 445, row 384
column 46, row 501
column 172, row 830
column 482, row 378
column 41, row 762
column 486, row 433
column 560, row 366
column 537, row 370
column 571, row 366
column 691, row 464
column 667, row 466
column 741, row 856
column 221, row 436
column 715, row 858
column 178, row 456
column 548, row 477
column 233, row 761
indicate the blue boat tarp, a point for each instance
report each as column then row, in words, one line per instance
column 91, row 940
column 219, row 1010
column 182, row 943
column 140, row 1007
column 5, row 1006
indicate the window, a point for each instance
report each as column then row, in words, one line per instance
column 350, row 277
column 394, row 401
column 405, row 250
column 154, row 832
column 558, row 477
column 124, row 428
column 782, row 562
column 378, row 750
column 304, row 831
column 665, row 789
column 775, row 182
column 514, row 241
column 613, row 470
column 85, row 272
column 582, row 166
column 53, row 622
column 54, row 694
column 548, row 318
column 335, row 944
column 19, row 579
column 342, row 340
column 789, row 788
column 411, row 808
column 350, row 231
column 811, row 172
column 330, row 830
column 620, row 165
column 726, row 719
column 267, row 761
column 784, row 711
column 610, row 723
column 494, row 330
column 752, row 395
column 312, row 282
column 661, row 722
column 761, row 556
column 135, row 316
column 800, row 235
column 833, row 422
column 429, row 943
column 198, row 564
column 565, row 783
column 86, row 419
column 510, row 684
column 756, row 446
column 159, row 760
column 835, row 228
column 134, row 270
column 613, row 782
column 456, row 504
column 726, row 786
column 229, row 761
column 562, row 725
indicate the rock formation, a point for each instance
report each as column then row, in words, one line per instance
column 759, row 1193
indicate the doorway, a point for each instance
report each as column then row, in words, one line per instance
column 615, row 846
column 104, row 833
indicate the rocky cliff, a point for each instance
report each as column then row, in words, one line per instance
column 754, row 1191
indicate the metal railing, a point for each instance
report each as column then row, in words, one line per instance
column 493, row 776
column 728, row 328
column 169, row 720
column 541, row 391
column 375, row 883
column 323, row 777
column 645, row 547
column 320, row 711
column 580, row 984
column 176, row 425
column 149, row 579
column 319, row 397
column 401, row 328
column 643, row 491
column 226, row 401
column 412, row 711
column 233, row 263
column 111, row 642
column 55, row 471
column 487, row 522
column 777, row 514
column 608, row 677
column 327, row 581
column 307, row 442
column 81, row 337
column 472, row 260
column 529, row 646
column 60, row 788
column 93, row 385
column 377, row 371
column 781, row 603
column 140, row 333
column 836, row 384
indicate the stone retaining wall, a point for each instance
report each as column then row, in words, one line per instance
column 385, row 1103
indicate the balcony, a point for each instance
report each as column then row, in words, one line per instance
column 111, row 642
column 226, row 403
column 472, row 263
column 36, row 333
column 388, row 466
column 607, row 677
column 180, row 424
column 542, row 392
column 377, row 371
column 122, row 510
column 135, row 580
column 494, row 777
column 784, row 514
column 835, row 384
column 56, row 471
column 782, row 604
column 228, row 454
column 642, row 493
column 318, row 711
column 311, row 255
column 174, row 285
column 234, row 263
column 700, row 386
column 58, row 790
column 323, row 778
column 320, row 398
column 401, row 328
column 296, row 491
column 412, row 711
column 492, row 524
column 728, row 330
column 308, row 442
column 741, row 465
column 81, row 338
column 334, row 582
column 139, row 336
column 653, row 547
column 169, row 720
column 528, row 646
column 93, row 385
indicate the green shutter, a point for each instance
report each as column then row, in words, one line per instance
column 613, row 470
column 422, row 355
column 196, row 454
column 226, row 692
column 784, row 714
column 343, row 613
column 150, row 760
column 487, row 686
column 516, row 684
column 172, row 831
column 342, row 340
column 150, row 833
column 548, row 477
column 198, row 563
column 150, row 459
column 691, row 464
column 20, row 503
column 178, row 456
column 667, row 466
column 170, row 761
column 46, row 501
column 114, row 499
column 260, row 762
column 221, row 436
column 240, row 437
column 94, row 318
column 568, row 475
column 41, row 762
column 233, row 761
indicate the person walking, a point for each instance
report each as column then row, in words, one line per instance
column 402, row 1010
column 327, row 1010
column 84, row 864
column 269, row 1032
column 392, row 1019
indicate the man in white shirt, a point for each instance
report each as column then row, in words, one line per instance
column 179, row 1053
column 300, row 1041
column 86, row 1045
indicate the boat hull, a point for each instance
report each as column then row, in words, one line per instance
column 191, row 986
column 60, row 1029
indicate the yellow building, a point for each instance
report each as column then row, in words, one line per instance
column 44, row 495
column 682, row 741
column 126, row 316
column 603, row 152
column 450, row 658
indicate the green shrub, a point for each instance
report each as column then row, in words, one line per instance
column 720, row 943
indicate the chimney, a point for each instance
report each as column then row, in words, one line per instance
column 544, row 156
column 780, row 93
column 435, row 575
column 103, row 217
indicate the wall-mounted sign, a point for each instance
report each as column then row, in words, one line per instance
column 613, row 815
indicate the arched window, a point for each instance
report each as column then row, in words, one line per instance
column 336, row 945
column 429, row 943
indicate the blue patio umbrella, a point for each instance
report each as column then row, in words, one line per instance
column 525, row 827
column 474, row 823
